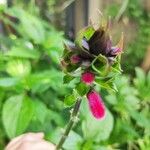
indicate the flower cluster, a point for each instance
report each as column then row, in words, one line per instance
column 95, row 61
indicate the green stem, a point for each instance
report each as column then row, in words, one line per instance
column 70, row 124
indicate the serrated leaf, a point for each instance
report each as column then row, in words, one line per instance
column 23, row 53
column 69, row 100
column 96, row 127
column 107, row 84
column 100, row 65
column 18, row 67
column 96, row 130
column 140, row 81
column 82, row 88
column 17, row 114
column 73, row 141
column 8, row 82
column 40, row 110
column 86, row 32
column 67, row 78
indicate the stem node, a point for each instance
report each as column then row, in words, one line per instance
column 72, row 121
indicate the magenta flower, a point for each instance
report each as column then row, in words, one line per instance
column 100, row 43
column 87, row 77
column 96, row 104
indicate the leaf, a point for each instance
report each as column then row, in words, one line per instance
column 97, row 130
column 23, row 53
column 42, row 81
column 100, row 65
column 30, row 27
column 107, row 84
column 8, row 82
column 67, row 78
column 125, row 129
column 140, row 81
column 69, row 100
column 18, row 67
column 86, row 32
column 140, row 118
column 73, row 141
column 82, row 88
column 89, row 32
column 16, row 115
column 40, row 110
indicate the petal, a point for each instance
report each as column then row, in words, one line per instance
column 88, row 77
column 96, row 105
column 85, row 44
column 119, row 47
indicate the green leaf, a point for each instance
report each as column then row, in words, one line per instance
column 82, row 88
column 140, row 81
column 73, row 141
column 125, row 129
column 97, row 130
column 89, row 32
column 107, row 84
column 86, row 32
column 18, row 67
column 140, row 118
column 8, row 82
column 116, row 67
column 30, row 27
column 23, row 53
column 40, row 110
column 17, row 114
column 100, row 65
column 67, row 78
column 69, row 100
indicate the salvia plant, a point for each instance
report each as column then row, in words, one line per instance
column 93, row 62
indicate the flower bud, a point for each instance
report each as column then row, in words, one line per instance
column 96, row 104
column 87, row 77
column 75, row 59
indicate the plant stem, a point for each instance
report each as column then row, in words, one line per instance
column 70, row 124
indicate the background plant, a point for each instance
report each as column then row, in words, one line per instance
column 32, row 80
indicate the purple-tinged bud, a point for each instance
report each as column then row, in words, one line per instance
column 75, row 59
column 88, row 77
column 115, row 50
column 96, row 105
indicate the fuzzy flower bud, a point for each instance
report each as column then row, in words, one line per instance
column 96, row 105
column 88, row 77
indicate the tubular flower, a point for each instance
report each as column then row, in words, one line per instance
column 94, row 60
column 96, row 105
column 87, row 77
column 100, row 43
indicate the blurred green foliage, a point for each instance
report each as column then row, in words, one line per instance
column 137, row 21
column 32, row 90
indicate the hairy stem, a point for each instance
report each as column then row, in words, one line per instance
column 70, row 124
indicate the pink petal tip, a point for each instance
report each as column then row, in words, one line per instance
column 96, row 105
column 87, row 77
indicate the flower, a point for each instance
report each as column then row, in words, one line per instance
column 87, row 77
column 96, row 104
column 88, row 48
column 94, row 60
column 101, row 43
